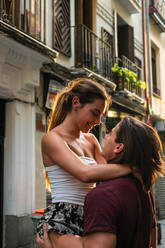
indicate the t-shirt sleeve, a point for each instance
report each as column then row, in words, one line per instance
column 101, row 211
column 154, row 223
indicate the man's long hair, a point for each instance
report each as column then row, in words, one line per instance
column 142, row 149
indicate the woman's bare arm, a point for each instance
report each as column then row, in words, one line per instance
column 97, row 149
column 93, row 240
column 59, row 153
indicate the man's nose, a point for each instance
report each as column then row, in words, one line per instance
column 107, row 135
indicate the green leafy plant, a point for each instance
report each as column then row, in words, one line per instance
column 141, row 84
column 128, row 76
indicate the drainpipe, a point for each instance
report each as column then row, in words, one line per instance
column 144, row 56
column 148, row 49
column 144, row 46
column 115, row 35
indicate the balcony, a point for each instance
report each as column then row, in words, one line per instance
column 132, row 6
column 25, row 22
column 92, row 52
column 157, row 12
column 95, row 55
column 127, row 76
column 26, row 16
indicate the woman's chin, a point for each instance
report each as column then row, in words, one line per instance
column 86, row 130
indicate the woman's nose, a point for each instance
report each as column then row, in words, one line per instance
column 98, row 120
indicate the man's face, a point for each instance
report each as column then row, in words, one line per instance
column 110, row 148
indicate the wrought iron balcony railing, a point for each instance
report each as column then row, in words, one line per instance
column 129, row 85
column 25, row 15
column 127, row 63
column 92, row 52
column 96, row 55
column 157, row 12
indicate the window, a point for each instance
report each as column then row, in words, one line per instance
column 156, row 90
column 24, row 15
column 125, row 40
column 33, row 18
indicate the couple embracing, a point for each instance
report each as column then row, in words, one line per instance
column 119, row 211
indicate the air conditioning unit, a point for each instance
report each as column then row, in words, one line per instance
column 160, row 125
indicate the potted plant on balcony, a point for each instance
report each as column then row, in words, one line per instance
column 126, row 79
column 141, row 84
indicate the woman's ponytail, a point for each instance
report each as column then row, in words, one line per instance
column 59, row 110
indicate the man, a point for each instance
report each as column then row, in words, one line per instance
column 119, row 213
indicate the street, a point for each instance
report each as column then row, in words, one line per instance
column 162, row 245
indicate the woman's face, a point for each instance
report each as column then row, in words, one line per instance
column 90, row 115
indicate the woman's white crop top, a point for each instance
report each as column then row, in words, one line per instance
column 65, row 187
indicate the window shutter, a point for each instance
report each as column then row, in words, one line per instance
column 108, row 38
column 61, row 27
column 126, row 41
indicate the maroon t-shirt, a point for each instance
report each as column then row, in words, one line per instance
column 120, row 206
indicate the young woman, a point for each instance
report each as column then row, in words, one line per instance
column 120, row 212
column 71, row 155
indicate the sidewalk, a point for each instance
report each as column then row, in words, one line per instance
column 162, row 222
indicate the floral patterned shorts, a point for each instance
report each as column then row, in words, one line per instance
column 63, row 218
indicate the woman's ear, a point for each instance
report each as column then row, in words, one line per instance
column 119, row 147
column 75, row 101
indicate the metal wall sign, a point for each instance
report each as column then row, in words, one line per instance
column 160, row 125
column 53, row 89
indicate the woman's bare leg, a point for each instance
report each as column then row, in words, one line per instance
column 69, row 241
column 53, row 237
column 55, row 240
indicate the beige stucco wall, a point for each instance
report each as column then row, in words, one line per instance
column 157, row 39
column 104, row 18
column 40, row 190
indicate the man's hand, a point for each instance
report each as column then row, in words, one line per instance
column 45, row 242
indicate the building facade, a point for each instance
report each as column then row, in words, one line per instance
column 43, row 45
column 103, row 35
column 157, row 86
column 23, row 51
